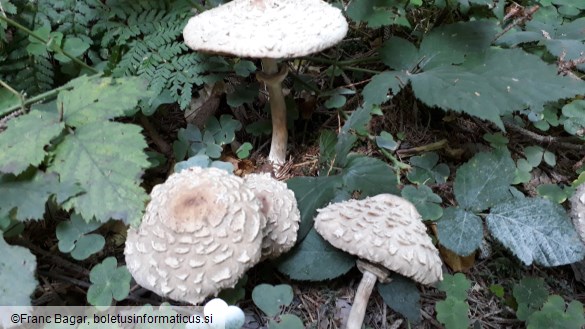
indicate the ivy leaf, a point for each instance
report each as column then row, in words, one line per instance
column 484, row 180
column 23, row 143
column 96, row 100
column 553, row 315
column 460, row 231
column 108, row 282
column 74, row 238
column 402, row 295
column 17, row 274
column 425, row 169
column 452, row 313
column 314, row 259
column 536, row 230
column 29, row 192
column 426, row 202
column 530, row 294
column 106, row 158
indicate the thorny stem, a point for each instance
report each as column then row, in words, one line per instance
column 41, row 39
column 273, row 79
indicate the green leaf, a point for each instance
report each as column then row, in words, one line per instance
column 399, row 54
column 574, row 113
column 383, row 86
column 386, row 140
column 550, row 158
column 530, row 294
column 96, row 100
column 224, row 130
column 287, row 321
column 536, row 230
column 483, row 181
column 456, row 286
column 243, row 94
column 452, row 313
column 235, row 294
column 334, row 102
column 460, row 231
column 106, row 158
column 497, row 290
column 29, row 192
column 17, row 275
column 356, row 124
column 522, row 174
column 108, row 282
column 402, row 295
column 244, row 150
column 425, row 169
column 553, row 192
column 74, row 238
column 426, row 202
column 496, row 140
column 376, row 13
column 23, row 143
column 74, row 46
column 534, row 155
column 7, row 100
column 272, row 299
column 314, row 259
column 368, row 175
column 553, row 315
column 244, row 68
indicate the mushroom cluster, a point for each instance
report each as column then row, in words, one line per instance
column 204, row 228
column 387, row 233
column 269, row 30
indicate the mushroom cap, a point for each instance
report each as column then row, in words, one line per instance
column 266, row 28
column 201, row 231
column 279, row 206
column 578, row 211
column 385, row 230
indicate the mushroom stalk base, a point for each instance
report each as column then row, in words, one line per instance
column 273, row 78
column 360, row 302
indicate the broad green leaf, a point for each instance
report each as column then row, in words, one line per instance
column 453, row 313
column 460, row 231
column 368, row 175
column 271, row 299
column 426, row 202
column 425, row 169
column 74, row 46
column 398, row 54
column 455, row 286
column 7, row 100
column 28, row 193
column 327, row 142
column 553, row 192
column 376, row 13
column 483, row 181
column 402, row 295
column 23, row 143
column 356, row 124
column 287, row 321
column 536, row 230
column 386, row 140
column 107, row 159
column 108, row 281
column 74, row 238
column 244, row 68
column 494, row 83
column 534, row 155
column 312, row 193
column 96, row 100
column 574, row 114
column 314, row 259
column 383, row 86
column 530, row 294
column 17, row 274
column 243, row 94
column 554, row 315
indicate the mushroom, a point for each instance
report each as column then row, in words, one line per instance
column 388, row 234
column 279, row 205
column 578, row 211
column 200, row 233
column 268, row 29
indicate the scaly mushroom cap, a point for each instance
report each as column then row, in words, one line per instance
column 266, row 28
column 578, row 211
column 279, row 206
column 386, row 230
column 201, row 231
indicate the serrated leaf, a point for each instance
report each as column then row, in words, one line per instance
column 426, row 202
column 96, row 100
column 536, row 230
column 23, row 143
column 460, row 231
column 74, row 238
column 530, row 294
column 425, row 169
column 452, row 313
column 483, row 181
column 271, row 299
column 402, row 295
column 314, row 259
column 108, row 282
column 456, row 286
column 107, row 159
column 553, row 315
column 29, row 192
column 17, row 274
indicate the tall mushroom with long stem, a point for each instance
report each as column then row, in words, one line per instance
column 269, row 30
column 387, row 234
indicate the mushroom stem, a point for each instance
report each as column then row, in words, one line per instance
column 372, row 273
column 273, row 78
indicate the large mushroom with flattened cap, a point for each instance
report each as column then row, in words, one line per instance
column 387, row 234
column 578, row 211
column 268, row 29
column 200, row 233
